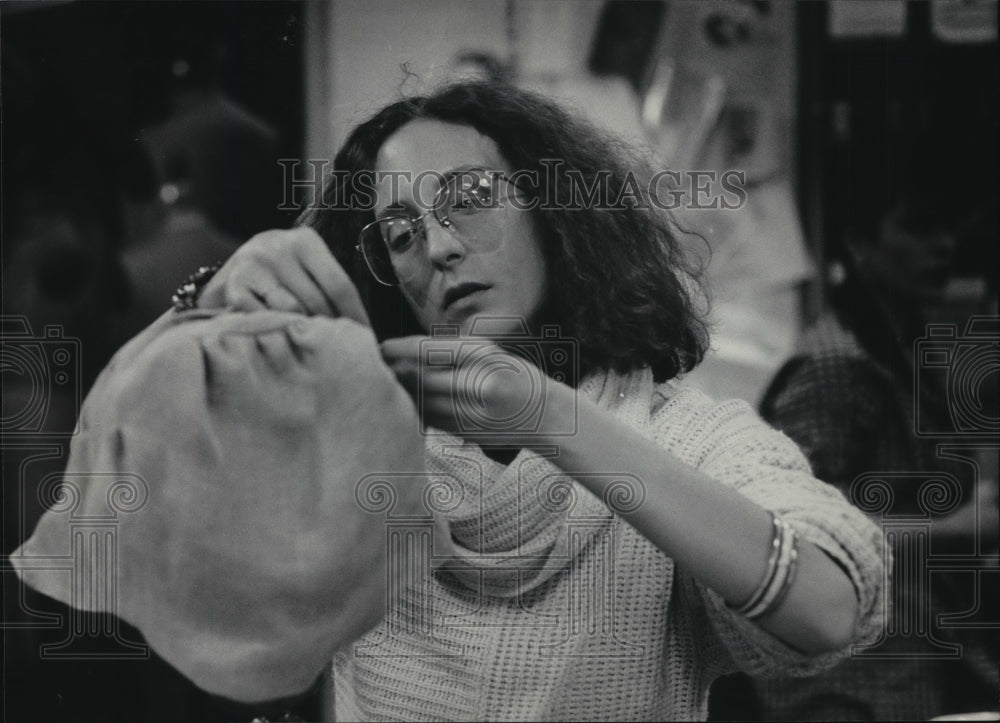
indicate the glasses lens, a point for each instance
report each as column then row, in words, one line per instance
column 473, row 205
column 468, row 192
column 375, row 251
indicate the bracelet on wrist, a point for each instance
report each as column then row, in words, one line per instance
column 186, row 295
column 780, row 573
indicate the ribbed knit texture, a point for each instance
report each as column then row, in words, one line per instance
column 549, row 611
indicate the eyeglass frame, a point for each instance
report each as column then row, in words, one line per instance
column 418, row 221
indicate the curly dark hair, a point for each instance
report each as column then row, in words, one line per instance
column 619, row 282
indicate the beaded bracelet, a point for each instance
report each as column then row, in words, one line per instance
column 186, row 295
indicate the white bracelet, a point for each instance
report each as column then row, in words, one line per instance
column 772, row 566
column 782, row 575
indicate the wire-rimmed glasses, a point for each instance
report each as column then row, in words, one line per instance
column 469, row 205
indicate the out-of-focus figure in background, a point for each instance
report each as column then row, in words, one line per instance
column 205, row 179
column 62, row 231
column 850, row 397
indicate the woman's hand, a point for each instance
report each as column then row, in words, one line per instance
column 480, row 391
column 289, row 270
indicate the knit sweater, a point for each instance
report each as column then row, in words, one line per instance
column 617, row 630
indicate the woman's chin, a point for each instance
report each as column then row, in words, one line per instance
column 492, row 325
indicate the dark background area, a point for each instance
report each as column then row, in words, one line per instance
column 880, row 116
column 112, row 61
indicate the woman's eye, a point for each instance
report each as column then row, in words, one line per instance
column 401, row 238
column 471, row 200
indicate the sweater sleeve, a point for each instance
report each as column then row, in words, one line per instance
column 730, row 443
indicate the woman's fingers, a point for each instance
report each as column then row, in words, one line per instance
column 237, row 300
column 404, row 357
column 253, row 287
column 293, row 289
column 404, row 347
column 279, row 298
column 339, row 293
column 286, row 271
column 435, row 373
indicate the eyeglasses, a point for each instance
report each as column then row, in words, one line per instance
column 468, row 204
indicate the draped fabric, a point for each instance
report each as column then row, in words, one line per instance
column 210, row 498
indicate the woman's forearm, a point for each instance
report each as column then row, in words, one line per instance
column 709, row 529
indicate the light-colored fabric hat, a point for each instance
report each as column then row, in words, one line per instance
column 210, row 498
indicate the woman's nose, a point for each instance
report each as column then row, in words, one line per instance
column 444, row 248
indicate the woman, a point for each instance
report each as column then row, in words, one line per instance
column 724, row 553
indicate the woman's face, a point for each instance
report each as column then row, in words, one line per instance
column 486, row 273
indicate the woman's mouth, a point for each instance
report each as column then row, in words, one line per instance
column 461, row 291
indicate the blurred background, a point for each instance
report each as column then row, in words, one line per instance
column 142, row 140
